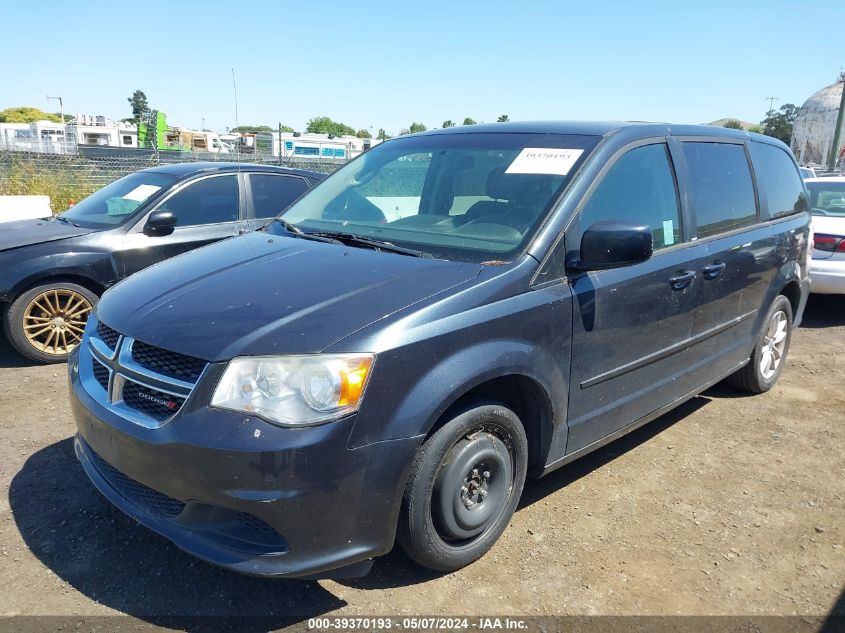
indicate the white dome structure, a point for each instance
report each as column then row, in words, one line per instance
column 812, row 132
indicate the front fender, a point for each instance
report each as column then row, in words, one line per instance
column 413, row 384
column 25, row 273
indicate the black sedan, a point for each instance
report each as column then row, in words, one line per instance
column 53, row 270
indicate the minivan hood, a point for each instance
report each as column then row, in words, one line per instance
column 27, row 232
column 262, row 294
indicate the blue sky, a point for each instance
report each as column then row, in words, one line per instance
column 386, row 64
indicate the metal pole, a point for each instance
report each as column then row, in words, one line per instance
column 64, row 125
column 837, row 132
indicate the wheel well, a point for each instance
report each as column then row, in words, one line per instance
column 85, row 282
column 525, row 397
column 792, row 291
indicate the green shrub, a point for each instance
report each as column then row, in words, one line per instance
column 64, row 184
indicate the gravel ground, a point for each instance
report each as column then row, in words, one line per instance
column 728, row 505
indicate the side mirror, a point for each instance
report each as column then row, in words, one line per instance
column 609, row 244
column 160, row 223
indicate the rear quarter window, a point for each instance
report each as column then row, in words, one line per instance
column 721, row 187
column 778, row 177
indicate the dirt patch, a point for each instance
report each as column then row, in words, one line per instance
column 728, row 505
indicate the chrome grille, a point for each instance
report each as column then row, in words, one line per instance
column 168, row 363
column 107, row 335
column 144, row 384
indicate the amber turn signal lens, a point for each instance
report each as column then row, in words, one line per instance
column 352, row 381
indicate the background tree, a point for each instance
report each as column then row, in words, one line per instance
column 779, row 123
column 257, row 129
column 382, row 135
column 140, row 107
column 324, row 125
column 503, row 119
column 756, row 129
column 362, row 133
column 417, row 127
column 404, row 131
column 448, row 123
column 27, row 114
column 734, row 124
column 468, row 121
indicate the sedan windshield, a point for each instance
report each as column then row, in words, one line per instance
column 827, row 197
column 462, row 196
column 112, row 204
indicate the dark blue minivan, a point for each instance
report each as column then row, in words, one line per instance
column 448, row 313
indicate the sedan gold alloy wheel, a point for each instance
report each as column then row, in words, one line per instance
column 54, row 320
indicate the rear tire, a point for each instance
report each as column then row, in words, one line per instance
column 463, row 489
column 45, row 323
column 770, row 350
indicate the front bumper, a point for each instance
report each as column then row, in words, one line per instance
column 827, row 276
column 242, row 493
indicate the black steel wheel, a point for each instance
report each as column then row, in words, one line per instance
column 463, row 488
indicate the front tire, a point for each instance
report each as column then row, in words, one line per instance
column 770, row 349
column 45, row 323
column 463, row 488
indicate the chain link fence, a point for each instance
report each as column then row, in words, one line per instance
column 68, row 177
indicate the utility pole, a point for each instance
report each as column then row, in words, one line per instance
column 771, row 101
column 837, row 132
column 64, row 125
column 61, row 107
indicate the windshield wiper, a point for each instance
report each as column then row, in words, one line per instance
column 298, row 232
column 65, row 220
column 368, row 242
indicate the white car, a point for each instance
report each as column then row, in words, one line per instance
column 827, row 203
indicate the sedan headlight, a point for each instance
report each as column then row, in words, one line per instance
column 294, row 390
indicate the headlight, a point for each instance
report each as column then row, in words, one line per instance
column 294, row 390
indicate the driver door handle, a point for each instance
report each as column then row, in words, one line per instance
column 713, row 270
column 682, row 279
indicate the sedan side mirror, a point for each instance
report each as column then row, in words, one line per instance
column 613, row 245
column 160, row 223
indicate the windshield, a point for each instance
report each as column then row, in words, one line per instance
column 827, row 198
column 467, row 197
column 112, row 204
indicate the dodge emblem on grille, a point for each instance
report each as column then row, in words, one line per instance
column 159, row 401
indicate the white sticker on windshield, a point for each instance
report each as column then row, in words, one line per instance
column 141, row 193
column 668, row 232
column 544, row 160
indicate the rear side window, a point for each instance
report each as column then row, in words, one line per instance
column 272, row 194
column 207, row 201
column 639, row 188
column 720, row 186
column 778, row 177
